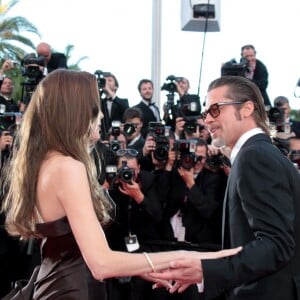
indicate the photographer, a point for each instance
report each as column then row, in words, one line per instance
column 53, row 60
column 257, row 71
column 133, row 123
column 186, row 105
column 282, row 103
column 112, row 106
column 7, row 88
column 138, row 214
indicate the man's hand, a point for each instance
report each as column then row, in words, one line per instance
column 179, row 126
column 149, row 145
column 187, row 271
column 6, row 140
column 7, row 65
column 133, row 190
column 187, row 176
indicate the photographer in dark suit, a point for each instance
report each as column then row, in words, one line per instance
column 257, row 71
column 283, row 104
column 139, row 212
column 112, row 106
column 53, row 60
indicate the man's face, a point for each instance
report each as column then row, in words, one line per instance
column 228, row 124
column 184, row 84
column 146, row 91
column 286, row 108
column 110, row 82
column 7, row 87
column 200, row 151
column 250, row 55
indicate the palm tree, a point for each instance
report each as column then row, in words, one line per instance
column 74, row 66
column 10, row 33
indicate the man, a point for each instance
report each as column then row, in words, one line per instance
column 137, row 220
column 53, row 60
column 257, row 71
column 133, row 118
column 261, row 205
column 147, row 106
column 112, row 106
column 7, row 88
column 282, row 103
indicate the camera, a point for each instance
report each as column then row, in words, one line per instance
column 31, row 70
column 31, row 66
column 276, row 115
column 234, row 68
column 215, row 162
column 191, row 124
column 9, row 121
column 110, row 173
column 186, row 150
column 101, row 81
column 129, row 128
column 170, row 85
column 160, row 134
column 124, row 173
column 115, row 145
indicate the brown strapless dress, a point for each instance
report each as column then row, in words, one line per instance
column 63, row 273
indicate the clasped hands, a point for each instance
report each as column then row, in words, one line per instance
column 184, row 272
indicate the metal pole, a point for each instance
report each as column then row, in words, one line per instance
column 156, row 49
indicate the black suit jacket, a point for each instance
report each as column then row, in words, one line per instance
column 57, row 61
column 148, row 116
column 261, row 213
column 295, row 127
column 200, row 206
column 118, row 108
column 261, row 79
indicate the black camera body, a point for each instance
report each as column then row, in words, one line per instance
column 186, row 150
column 170, row 85
column 124, row 173
column 33, row 74
column 31, row 66
column 160, row 134
column 215, row 162
column 101, row 81
column 276, row 115
column 234, row 68
column 115, row 145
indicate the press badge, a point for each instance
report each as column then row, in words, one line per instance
column 132, row 243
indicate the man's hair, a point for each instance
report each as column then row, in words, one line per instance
column 248, row 46
column 114, row 78
column 280, row 101
column 144, row 81
column 131, row 113
column 242, row 89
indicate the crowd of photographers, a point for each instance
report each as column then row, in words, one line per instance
column 163, row 172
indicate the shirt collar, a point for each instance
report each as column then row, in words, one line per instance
column 146, row 102
column 242, row 140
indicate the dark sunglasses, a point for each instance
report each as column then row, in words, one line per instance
column 124, row 152
column 214, row 109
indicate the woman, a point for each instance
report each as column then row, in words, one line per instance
column 53, row 192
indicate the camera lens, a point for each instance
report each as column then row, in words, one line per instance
column 115, row 146
column 187, row 161
column 161, row 153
